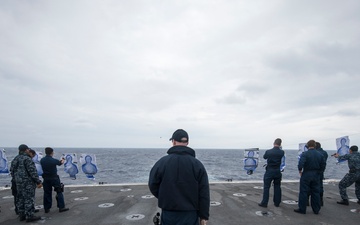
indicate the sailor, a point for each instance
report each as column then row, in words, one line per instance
column 273, row 173
column 310, row 166
column 352, row 177
column 26, row 178
column 325, row 155
column 181, row 184
column 51, row 179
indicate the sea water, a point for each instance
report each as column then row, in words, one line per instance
column 131, row 165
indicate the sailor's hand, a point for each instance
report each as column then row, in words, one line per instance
column 203, row 222
column 39, row 185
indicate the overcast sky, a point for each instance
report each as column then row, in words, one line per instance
column 234, row 74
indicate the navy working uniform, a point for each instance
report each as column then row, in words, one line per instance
column 51, row 179
column 325, row 156
column 26, row 178
column 14, row 193
column 351, row 177
column 180, row 183
column 272, row 173
column 311, row 164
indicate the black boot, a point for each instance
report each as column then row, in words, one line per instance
column 33, row 218
column 299, row 211
column 63, row 209
column 343, row 202
column 22, row 217
column 262, row 205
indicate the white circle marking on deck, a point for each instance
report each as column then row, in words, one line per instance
column 147, row 196
column 39, row 206
column 239, row 195
column 81, row 198
column 213, row 203
column 263, row 213
column 125, row 189
column 258, row 187
column 355, row 210
column 43, row 219
column 9, row 196
column 76, row 191
column 353, row 200
column 290, row 202
column 135, row 217
column 106, row 205
column 130, row 196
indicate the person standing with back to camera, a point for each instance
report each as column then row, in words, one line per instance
column 325, row 156
column 51, row 179
column 180, row 183
column 273, row 173
column 310, row 166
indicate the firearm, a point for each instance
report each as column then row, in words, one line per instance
column 62, row 187
column 156, row 219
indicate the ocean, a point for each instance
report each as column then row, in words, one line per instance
column 131, row 165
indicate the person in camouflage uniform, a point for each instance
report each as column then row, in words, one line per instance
column 31, row 153
column 24, row 172
column 353, row 176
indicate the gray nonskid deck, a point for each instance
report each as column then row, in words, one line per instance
column 232, row 203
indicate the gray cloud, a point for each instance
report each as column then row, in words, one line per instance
column 319, row 59
column 106, row 74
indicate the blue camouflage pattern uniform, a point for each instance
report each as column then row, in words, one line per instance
column 351, row 177
column 26, row 178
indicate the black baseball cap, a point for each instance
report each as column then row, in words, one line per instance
column 180, row 135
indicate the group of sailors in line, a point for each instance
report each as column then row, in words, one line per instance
column 25, row 180
column 180, row 183
column 311, row 166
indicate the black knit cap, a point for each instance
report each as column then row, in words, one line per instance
column 354, row 148
column 22, row 148
column 180, row 136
